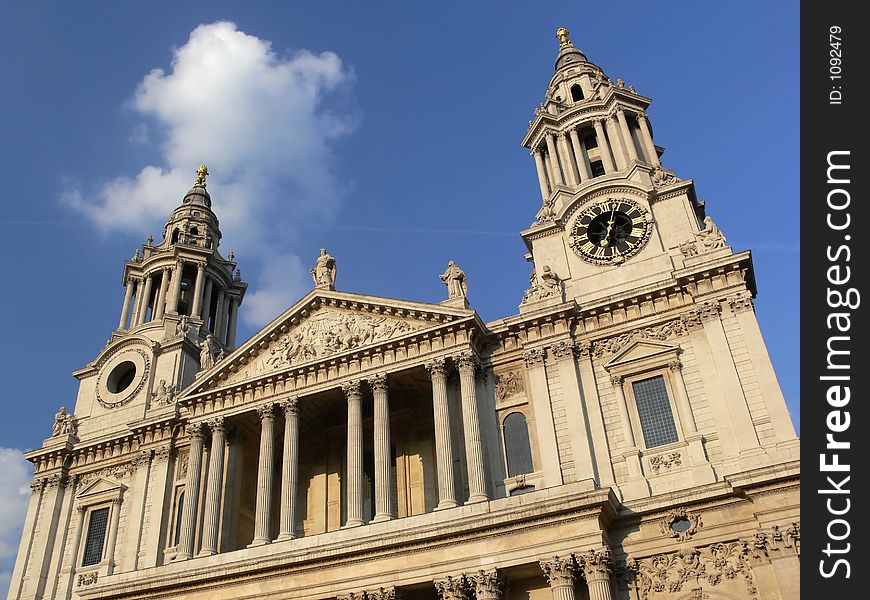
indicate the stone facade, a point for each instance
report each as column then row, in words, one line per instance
column 622, row 436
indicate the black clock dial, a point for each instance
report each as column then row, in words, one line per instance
column 610, row 231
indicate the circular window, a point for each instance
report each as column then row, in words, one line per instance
column 681, row 525
column 121, row 377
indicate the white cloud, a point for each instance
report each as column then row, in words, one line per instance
column 15, row 473
column 263, row 123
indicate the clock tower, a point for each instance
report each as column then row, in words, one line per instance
column 612, row 216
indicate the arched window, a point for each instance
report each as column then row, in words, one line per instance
column 576, row 92
column 517, row 446
column 174, row 239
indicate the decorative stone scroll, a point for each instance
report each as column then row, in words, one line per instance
column 330, row 332
column 665, row 462
column 86, row 579
column 680, row 524
column 691, row 570
column 508, row 385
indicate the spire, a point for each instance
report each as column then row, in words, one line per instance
column 568, row 54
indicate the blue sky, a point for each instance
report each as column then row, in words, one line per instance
column 388, row 133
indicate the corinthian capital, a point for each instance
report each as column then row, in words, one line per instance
column 560, row 572
column 437, row 368
column 193, row 431
column 595, row 564
column 378, row 382
column 452, row 588
column 535, row 357
column 466, row 361
column 290, row 405
column 351, row 390
column 487, row 585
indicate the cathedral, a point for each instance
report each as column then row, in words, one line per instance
column 623, row 436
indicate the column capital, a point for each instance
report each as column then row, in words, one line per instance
column 584, row 348
column 619, row 112
column 383, row 593
column 564, row 349
column 466, row 361
column 487, row 584
column 436, row 367
column 640, row 116
column 452, row 588
column 266, row 412
column 351, row 390
column 378, row 382
column 193, row 431
column 289, row 405
column 216, row 425
column 560, row 572
column 596, row 565
column 616, row 380
column 80, row 509
column 675, row 365
column 535, row 357
column 536, row 151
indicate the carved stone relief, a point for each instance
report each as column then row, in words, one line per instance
column 670, row 329
column 662, row 463
column 509, row 384
column 680, row 524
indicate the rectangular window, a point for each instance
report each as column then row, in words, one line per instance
column 96, row 537
column 654, row 411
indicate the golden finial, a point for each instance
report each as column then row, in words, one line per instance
column 562, row 34
column 201, row 174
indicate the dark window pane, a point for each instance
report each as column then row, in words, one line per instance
column 179, row 512
column 522, row 490
column 654, row 410
column 516, row 441
column 96, row 536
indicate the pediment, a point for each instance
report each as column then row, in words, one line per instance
column 642, row 351
column 101, row 487
column 325, row 325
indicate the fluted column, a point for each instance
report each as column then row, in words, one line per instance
column 580, row 156
column 355, row 491
column 197, row 290
column 289, row 468
column 231, row 330
column 206, row 302
column 220, row 329
column 263, row 514
column 214, row 487
column 616, row 143
column 646, row 135
column 542, row 173
column 443, row 447
column 143, row 305
column 567, row 160
column 554, row 160
column 191, row 492
column 596, row 566
column 487, row 585
column 560, row 573
column 125, row 309
column 160, row 306
column 626, row 135
column 177, row 273
column 603, row 146
column 467, row 365
column 383, row 510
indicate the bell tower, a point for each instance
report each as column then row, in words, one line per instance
column 612, row 216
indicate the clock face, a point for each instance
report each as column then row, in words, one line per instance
column 611, row 231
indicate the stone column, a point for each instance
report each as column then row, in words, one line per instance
column 487, row 585
column 539, row 393
column 596, row 418
column 560, row 574
column 197, row 290
column 452, row 588
column 191, row 493
column 630, row 450
column 234, row 313
column 580, row 156
column 220, row 329
column 603, row 146
column 137, row 300
column 113, row 536
column 443, row 447
column 143, row 305
column 160, row 307
column 157, row 492
column 383, row 510
column 685, row 409
column 626, row 135
column 66, row 579
column 177, row 273
column 567, row 161
column 214, row 487
column 554, row 160
column 125, row 309
column 596, row 566
column 467, row 364
column 289, row 468
column 355, row 491
column 263, row 513
column 206, row 302
column 616, row 143
column 578, row 424
column 646, row 135
column 542, row 173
